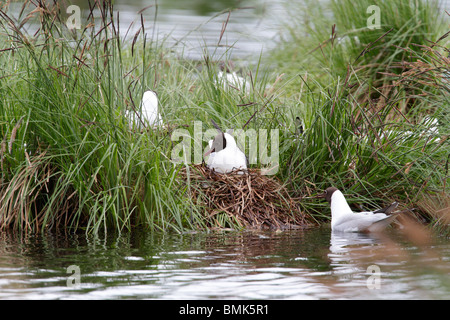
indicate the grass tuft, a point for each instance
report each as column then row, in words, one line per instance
column 373, row 104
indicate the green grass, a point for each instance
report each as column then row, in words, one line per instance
column 364, row 100
column 69, row 159
column 372, row 158
column 83, row 168
column 82, row 165
column 311, row 44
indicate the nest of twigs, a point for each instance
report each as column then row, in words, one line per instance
column 254, row 200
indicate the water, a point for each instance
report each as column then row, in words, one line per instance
column 311, row 264
column 191, row 28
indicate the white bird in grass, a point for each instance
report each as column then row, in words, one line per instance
column 224, row 154
column 233, row 80
column 230, row 78
column 148, row 113
column 343, row 219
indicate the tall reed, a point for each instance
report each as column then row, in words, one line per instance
column 374, row 102
column 324, row 38
column 69, row 158
column 73, row 160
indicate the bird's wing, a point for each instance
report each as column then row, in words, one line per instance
column 388, row 209
column 235, row 158
column 383, row 223
column 359, row 221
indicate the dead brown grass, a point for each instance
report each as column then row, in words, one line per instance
column 254, row 200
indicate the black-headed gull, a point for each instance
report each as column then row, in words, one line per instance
column 343, row 219
column 224, row 155
column 148, row 114
column 229, row 78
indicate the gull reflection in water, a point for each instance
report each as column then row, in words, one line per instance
column 352, row 255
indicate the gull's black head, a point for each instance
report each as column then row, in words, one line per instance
column 327, row 194
column 219, row 143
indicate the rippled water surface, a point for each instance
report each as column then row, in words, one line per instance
column 241, row 29
column 311, row 264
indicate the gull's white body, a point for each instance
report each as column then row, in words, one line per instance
column 228, row 159
column 149, row 113
column 430, row 132
column 343, row 219
column 232, row 79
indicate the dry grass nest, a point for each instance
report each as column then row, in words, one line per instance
column 254, row 200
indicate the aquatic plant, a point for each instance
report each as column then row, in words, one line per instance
column 375, row 104
column 325, row 38
column 72, row 159
column 69, row 158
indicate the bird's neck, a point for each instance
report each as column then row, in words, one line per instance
column 230, row 141
column 339, row 205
